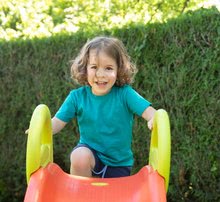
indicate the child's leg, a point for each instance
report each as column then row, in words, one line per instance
column 82, row 161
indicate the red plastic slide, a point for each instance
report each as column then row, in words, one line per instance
column 51, row 184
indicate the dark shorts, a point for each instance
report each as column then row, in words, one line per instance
column 104, row 171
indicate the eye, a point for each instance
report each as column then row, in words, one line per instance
column 109, row 68
column 93, row 67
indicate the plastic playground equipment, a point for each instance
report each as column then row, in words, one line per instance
column 47, row 182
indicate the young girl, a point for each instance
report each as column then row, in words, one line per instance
column 104, row 107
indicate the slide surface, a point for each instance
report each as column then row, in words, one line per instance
column 53, row 184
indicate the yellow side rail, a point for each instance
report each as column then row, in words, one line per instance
column 40, row 143
column 160, row 146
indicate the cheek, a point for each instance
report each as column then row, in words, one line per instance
column 89, row 76
column 90, row 72
column 113, row 74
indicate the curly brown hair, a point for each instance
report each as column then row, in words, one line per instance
column 112, row 47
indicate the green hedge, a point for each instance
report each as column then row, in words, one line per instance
column 179, row 70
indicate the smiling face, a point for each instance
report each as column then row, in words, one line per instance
column 101, row 72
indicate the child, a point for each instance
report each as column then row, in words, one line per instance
column 104, row 107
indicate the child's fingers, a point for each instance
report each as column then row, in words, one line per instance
column 150, row 124
column 26, row 132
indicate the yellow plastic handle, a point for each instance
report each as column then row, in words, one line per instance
column 40, row 143
column 160, row 146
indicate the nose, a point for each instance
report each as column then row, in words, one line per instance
column 100, row 72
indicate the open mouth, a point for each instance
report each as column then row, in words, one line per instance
column 101, row 83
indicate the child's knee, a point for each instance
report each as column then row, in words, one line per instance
column 82, row 157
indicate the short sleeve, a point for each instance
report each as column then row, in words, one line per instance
column 135, row 102
column 67, row 110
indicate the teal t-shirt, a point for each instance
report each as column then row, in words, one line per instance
column 105, row 122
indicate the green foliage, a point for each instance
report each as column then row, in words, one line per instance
column 34, row 18
column 179, row 70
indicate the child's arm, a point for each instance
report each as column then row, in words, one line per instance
column 148, row 115
column 57, row 125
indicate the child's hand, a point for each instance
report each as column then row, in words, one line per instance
column 148, row 115
column 26, row 132
column 150, row 124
